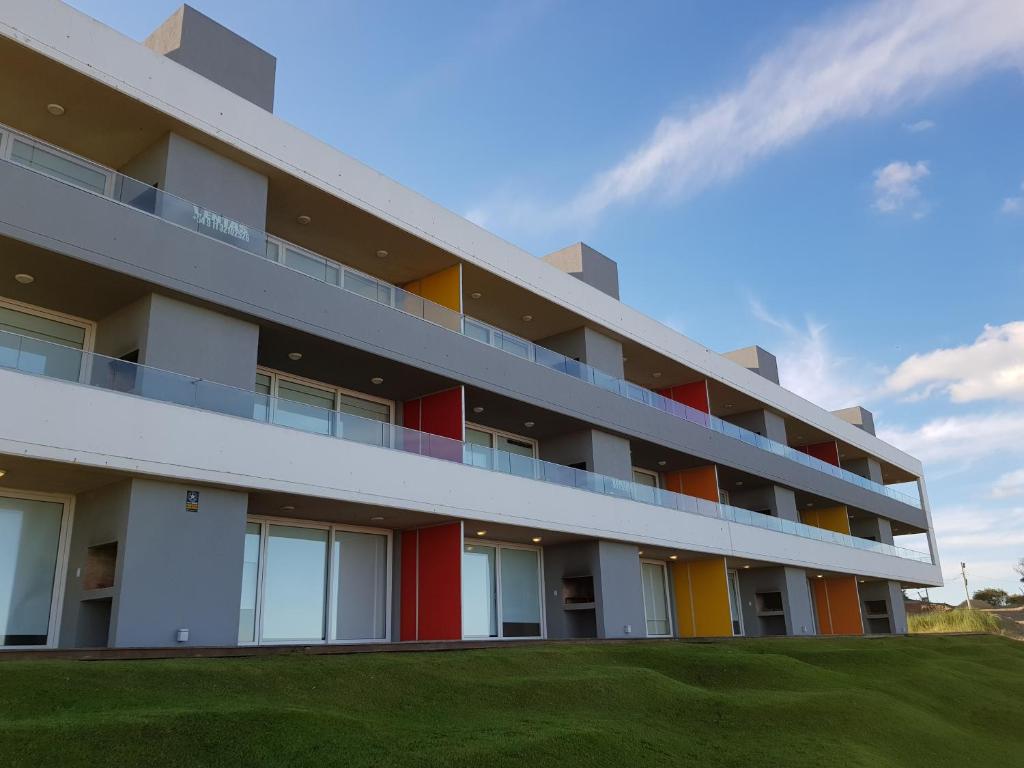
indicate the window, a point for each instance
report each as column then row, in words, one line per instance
column 501, row 591
column 310, row 583
column 54, row 163
column 655, row 588
column 735, row 606
column 321, row 408
column 503, row 451
column 645, row 477
column 36, row 340
column 32, row 533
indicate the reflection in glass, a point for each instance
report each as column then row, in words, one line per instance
column 360, row 585
column 29, row 539
column 479, row 592
column 294, row 596
column 520, row 593
column 655, row 599
column 250, row 578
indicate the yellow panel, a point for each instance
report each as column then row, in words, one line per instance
column 832, row 519
column 702, row 598
column 444, row 287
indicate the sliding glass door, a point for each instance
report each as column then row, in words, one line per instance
column 655, row 585
column 314, row 583
column 32, row 553
column 501, row 591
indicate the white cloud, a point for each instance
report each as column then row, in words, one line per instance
column 896, row 187
column 810, row 366
column 1013, row 205
column 875, row 58
column 919, row 127
column 960, row 438
column 991, row 367
column 1009, row 485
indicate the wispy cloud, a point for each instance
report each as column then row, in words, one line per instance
column 919, row 127
column 878, row 57
column 960, row 438
column 1013, row 205
column 810, row 366
column 896, row 188
column 1009, row 485
column 991, row 367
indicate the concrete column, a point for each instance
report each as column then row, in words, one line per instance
column 175, row 568
column 597, row 451
column 588, row 346
column 790, row 585
column 865, row 467
column 613, row 570
column 765, row 423
column 589, row 266
column 875, row 528
column 758, row 360
column 773, row 499
column 889, row 593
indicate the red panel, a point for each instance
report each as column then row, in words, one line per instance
column 411, row 414
column 442, row 414
column 694, row 395
column 828, row 452
column 440, row 582
column 409, row 580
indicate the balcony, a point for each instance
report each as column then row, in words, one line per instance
column 37, row 156
column 42, row 358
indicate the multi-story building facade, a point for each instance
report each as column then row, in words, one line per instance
column 257, row 393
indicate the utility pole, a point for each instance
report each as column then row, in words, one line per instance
column 963, row 574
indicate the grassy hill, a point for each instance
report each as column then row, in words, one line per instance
column 921, row 701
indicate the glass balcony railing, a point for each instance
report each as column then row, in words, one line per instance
column 43, row 358
column 52, row 161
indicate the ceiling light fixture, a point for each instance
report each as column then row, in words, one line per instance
column 820, row 576
column 528, row 424
column 739, row 482
column 376, row 380
column 730, row 405
column 673, row 557
column 662, row 463
column 640, row 552
column 287, row 508
column 535, row 539
column 478, row 409
column 382, row 254
column 481, row 533
column 303, row 219
column 656, row 374
column 295, row 356
column 475, row 295
column 55, row 109
column 809, row 504
column 3, row 472
column 746, row 566
column 527, row 318
column 24, row 278
column 376, row 518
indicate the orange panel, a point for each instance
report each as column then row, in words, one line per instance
column 694, row 394
column 702, row 598
column 837, row 602
column 444, row 287
column 827, row 451
column 701, row 482
column 832, row 519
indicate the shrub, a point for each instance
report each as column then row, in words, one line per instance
column 955, row 621
column 994, row 597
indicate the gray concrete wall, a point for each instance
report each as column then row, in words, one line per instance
column 890, row 592
column 101, row 517
column 180, row 569
column 602, row 453
column 588, row 346
column 63, row 219
column 588, row 265
column 796, row 599
column 618, row 590
column 776, row 500
column 218, row 54
column 765, row 423
column 877, row 528
column 865, row 467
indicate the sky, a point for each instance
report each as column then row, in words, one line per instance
column 839, row 182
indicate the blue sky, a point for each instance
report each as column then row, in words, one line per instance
column 838, row 182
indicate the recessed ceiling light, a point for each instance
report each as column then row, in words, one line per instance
column 799, row 437
column 528, row 424
column 287, row 508
column 475, row 295
column 478, row 409
column 730, row 405
column 662, row 463
column 527, row 318
column 377, row 518
column 809, row 504
column 535, row 539
column 481, row 533
column 820, row 576
column 673, row 557
column 382, row 254
column 656, row 374
column 303, row 219
column 862, row 581
column 55, row 109
column 739, row 482
column 640, row 552
column 376, row 380
column 294, row 355
column 3, row 472
column 24, row 278
column 746, row 566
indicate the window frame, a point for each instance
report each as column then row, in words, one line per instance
column 649, row 473
column 498, row 547
column 89, row 326
column 8, row 136
column 330, row 595
column 60, row 571
column 668, row 597
column 502, row 433
column 336, row 392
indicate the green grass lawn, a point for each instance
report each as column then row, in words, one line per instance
column 920, row 701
